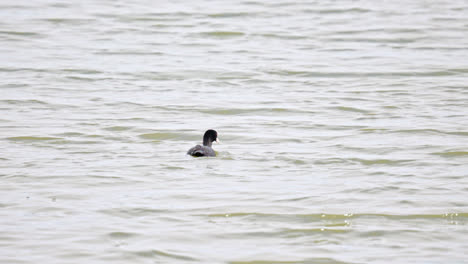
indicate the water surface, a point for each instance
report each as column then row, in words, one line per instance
column 344, row 132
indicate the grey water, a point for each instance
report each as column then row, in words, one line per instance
column 343, row 128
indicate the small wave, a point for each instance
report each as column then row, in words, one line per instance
column 431, row 131
column 311, row 74
column 351, row 109
column 81, row 78
column 159, row 253
column 292, row 160
column 289, row 232
column 75, row 142
column 331, row 161
column 19, row 33
column 151, row 16
column 131, row 212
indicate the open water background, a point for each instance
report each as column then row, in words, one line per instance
column 343, row 124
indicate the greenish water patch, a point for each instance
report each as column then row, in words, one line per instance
column 267, row 262
column 380, row 161
column 19, row 33
column 94, row 136
column 341, row 10
column 32, row 138
column 238, row 111
column 282, row 36
column 80, row 78
column 77, row 142
column 158, row 136
column 174, row 168
column 23, row 102
column 224, row 34
column 453, row 154
column 299, row 162
column 226, row 111
column 129, row 53
column 459, row 133
column 292, row 160
column 117, row 128
column 82, row 71
column 230, row 14
column 305, row 261
column 71, row 21
column 71, row 134
column 121, row 235
column 390, row 107
column 372, row 130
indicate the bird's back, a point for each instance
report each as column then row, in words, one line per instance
column 200, row 151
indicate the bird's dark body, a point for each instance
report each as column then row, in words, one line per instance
column 201, row 151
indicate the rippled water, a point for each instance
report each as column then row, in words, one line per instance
column 343, row 124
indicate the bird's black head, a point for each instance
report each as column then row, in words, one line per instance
column 210, row 136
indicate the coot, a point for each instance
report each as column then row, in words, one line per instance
column 205, row 150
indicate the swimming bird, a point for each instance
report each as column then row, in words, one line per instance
column 205, row 150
